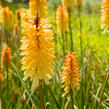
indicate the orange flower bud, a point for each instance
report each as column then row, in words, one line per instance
column 5, row 57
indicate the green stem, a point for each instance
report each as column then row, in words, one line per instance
column 7, row 35
column 41, row 94
column 56, row 54
column 82, row 57
column 58, row 106
column 81, row 41
column 7, row 85
column 66, row 40
column 63, row 43
column 60, row 42
column 54, row 7
column 3, row 35
column 70, row 28
column 19, row 34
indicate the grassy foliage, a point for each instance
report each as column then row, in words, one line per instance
column 93, row 92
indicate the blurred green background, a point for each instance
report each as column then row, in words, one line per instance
column 88, row 5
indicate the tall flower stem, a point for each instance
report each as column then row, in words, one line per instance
column 63, row 43
column 3, row 35
column 54, row 6
column 70, row 28
column 7, row 35
column 56, row 43
column 19, row 33
column 81, row 46
column 81, row 41
column 56, row 54
column 66, row 40
column 72, row 100
column 41, row 94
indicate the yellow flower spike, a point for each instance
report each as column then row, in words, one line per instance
column 68, row 4
column 37, row 50
column 4, row 14
column 62, row 18
column 38, row 6
column 105, row 14
column 6, row 17
column 5, row 57
column 70, row 74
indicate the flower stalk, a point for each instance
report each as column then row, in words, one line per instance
column 66, row 39
column 7, row 84
column 70, row 29
column 80, row 36
column 63, row 37
column 41, row 94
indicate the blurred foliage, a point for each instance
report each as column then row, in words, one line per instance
column 89, row 6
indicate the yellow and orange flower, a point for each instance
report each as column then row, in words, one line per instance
column 38, row 6
column 5, row 57
column 37, row 50
column 70, row 74
column 68, row 4
column 105, row 14
column 62, row 18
